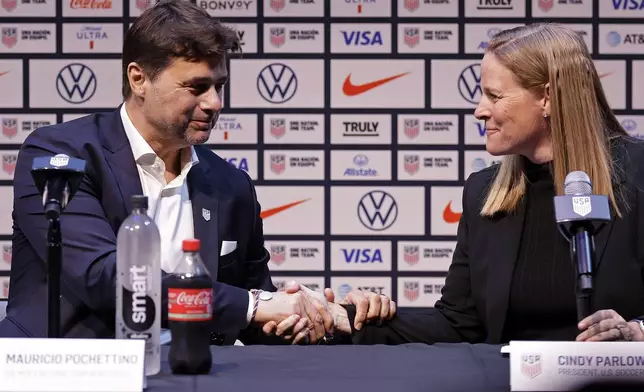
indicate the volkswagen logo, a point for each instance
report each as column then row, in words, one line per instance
column 277, row 83
column 469, row 83
column 377, row 210
column 76, row 83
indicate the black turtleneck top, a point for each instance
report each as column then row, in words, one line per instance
column 542, row 296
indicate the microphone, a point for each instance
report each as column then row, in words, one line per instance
column 580, row 216
column 57, row 179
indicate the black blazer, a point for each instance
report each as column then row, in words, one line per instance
column 475, row 297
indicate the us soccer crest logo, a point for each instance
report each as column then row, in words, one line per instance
column 278, row 254
column 546, row 5
column 411, row 254
column 278, row 36
column 278, row 163
column 412, row 36
column 142, row 4
column 6, row 253
column 9, row 5
column 9, row 163
column 412, row 5
column 412, row 290
column 9, row 127
column 278, row 127
column 9, row 36
column 412, row 128
column 412, row 163
column 531, row 365
column 278, row 5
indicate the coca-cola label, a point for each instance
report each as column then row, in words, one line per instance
column 189, row 304
column 138, row 307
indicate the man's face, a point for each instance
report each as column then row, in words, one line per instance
column 184, row 101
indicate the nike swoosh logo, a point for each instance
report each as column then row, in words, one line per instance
column 276, row 210
column 601, row 75
column 4, row 73
column 450, row 216
column 351, row 89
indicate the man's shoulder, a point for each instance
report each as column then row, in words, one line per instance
column 75, row 132
column 235, row 178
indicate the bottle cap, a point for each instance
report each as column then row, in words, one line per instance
column 139, row 201
column 191, row 245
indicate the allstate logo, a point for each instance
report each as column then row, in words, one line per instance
column 377, row 210
column 629, row 125
column 360, row 160
column 277, row 83
column 492, row 32
column 469, row 83
column 76, row 83
column 478, row 164
column 613, row 38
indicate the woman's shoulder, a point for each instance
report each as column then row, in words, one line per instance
column 481, row 179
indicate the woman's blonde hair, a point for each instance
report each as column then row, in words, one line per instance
column 581, row 121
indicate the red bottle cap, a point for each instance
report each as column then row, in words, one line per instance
column 191, row 245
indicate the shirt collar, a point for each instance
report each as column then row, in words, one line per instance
column 143, row 153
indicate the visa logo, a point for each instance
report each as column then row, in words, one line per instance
column 241, row 164
column 362, row 38
column 362, row 255
column 628, row 4
column 481, row 128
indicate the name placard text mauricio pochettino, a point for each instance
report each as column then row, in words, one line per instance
column 71, row 365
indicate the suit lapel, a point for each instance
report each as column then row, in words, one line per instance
column 205, row 212
column 503, row 245
column 120, row 159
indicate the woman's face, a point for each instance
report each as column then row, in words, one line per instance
column 514, row 117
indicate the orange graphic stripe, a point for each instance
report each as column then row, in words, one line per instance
column 276, row 210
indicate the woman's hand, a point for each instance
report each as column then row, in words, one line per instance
column 606, row 325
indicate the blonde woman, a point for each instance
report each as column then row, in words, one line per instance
column 512, row 277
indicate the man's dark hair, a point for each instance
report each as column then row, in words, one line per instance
column 174, row 29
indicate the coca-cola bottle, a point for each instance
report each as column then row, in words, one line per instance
column 190, row 313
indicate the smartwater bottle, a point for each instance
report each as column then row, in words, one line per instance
column 138, row 282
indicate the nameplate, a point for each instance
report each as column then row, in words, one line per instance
column 71, row 365
column 566, row 366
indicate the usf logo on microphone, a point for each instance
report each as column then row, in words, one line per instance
column 581, row 205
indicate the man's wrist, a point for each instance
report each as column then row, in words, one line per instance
column 340, row 319
column 250, row 314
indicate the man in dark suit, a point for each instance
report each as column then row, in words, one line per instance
column 174, row 69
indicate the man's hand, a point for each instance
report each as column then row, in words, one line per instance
column 370, row 306
column 304, row 315
column 607, row 324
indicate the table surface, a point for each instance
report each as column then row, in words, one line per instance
column 410, row 367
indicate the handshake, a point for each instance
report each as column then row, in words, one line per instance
column 299, row 314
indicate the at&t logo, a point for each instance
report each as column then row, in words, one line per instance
column 377, row 210
column 277, row 83
column 76, row 83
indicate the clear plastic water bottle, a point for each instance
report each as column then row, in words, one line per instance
column 138, row 282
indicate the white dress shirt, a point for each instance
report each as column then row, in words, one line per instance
column 169, row 204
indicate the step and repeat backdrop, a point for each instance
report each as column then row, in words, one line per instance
column 353, row 117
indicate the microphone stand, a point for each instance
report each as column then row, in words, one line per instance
column 582, row 249
column 54, row 261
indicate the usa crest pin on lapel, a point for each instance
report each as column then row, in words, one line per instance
column 205, row 214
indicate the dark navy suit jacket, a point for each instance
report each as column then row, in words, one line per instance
column 92, row 219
